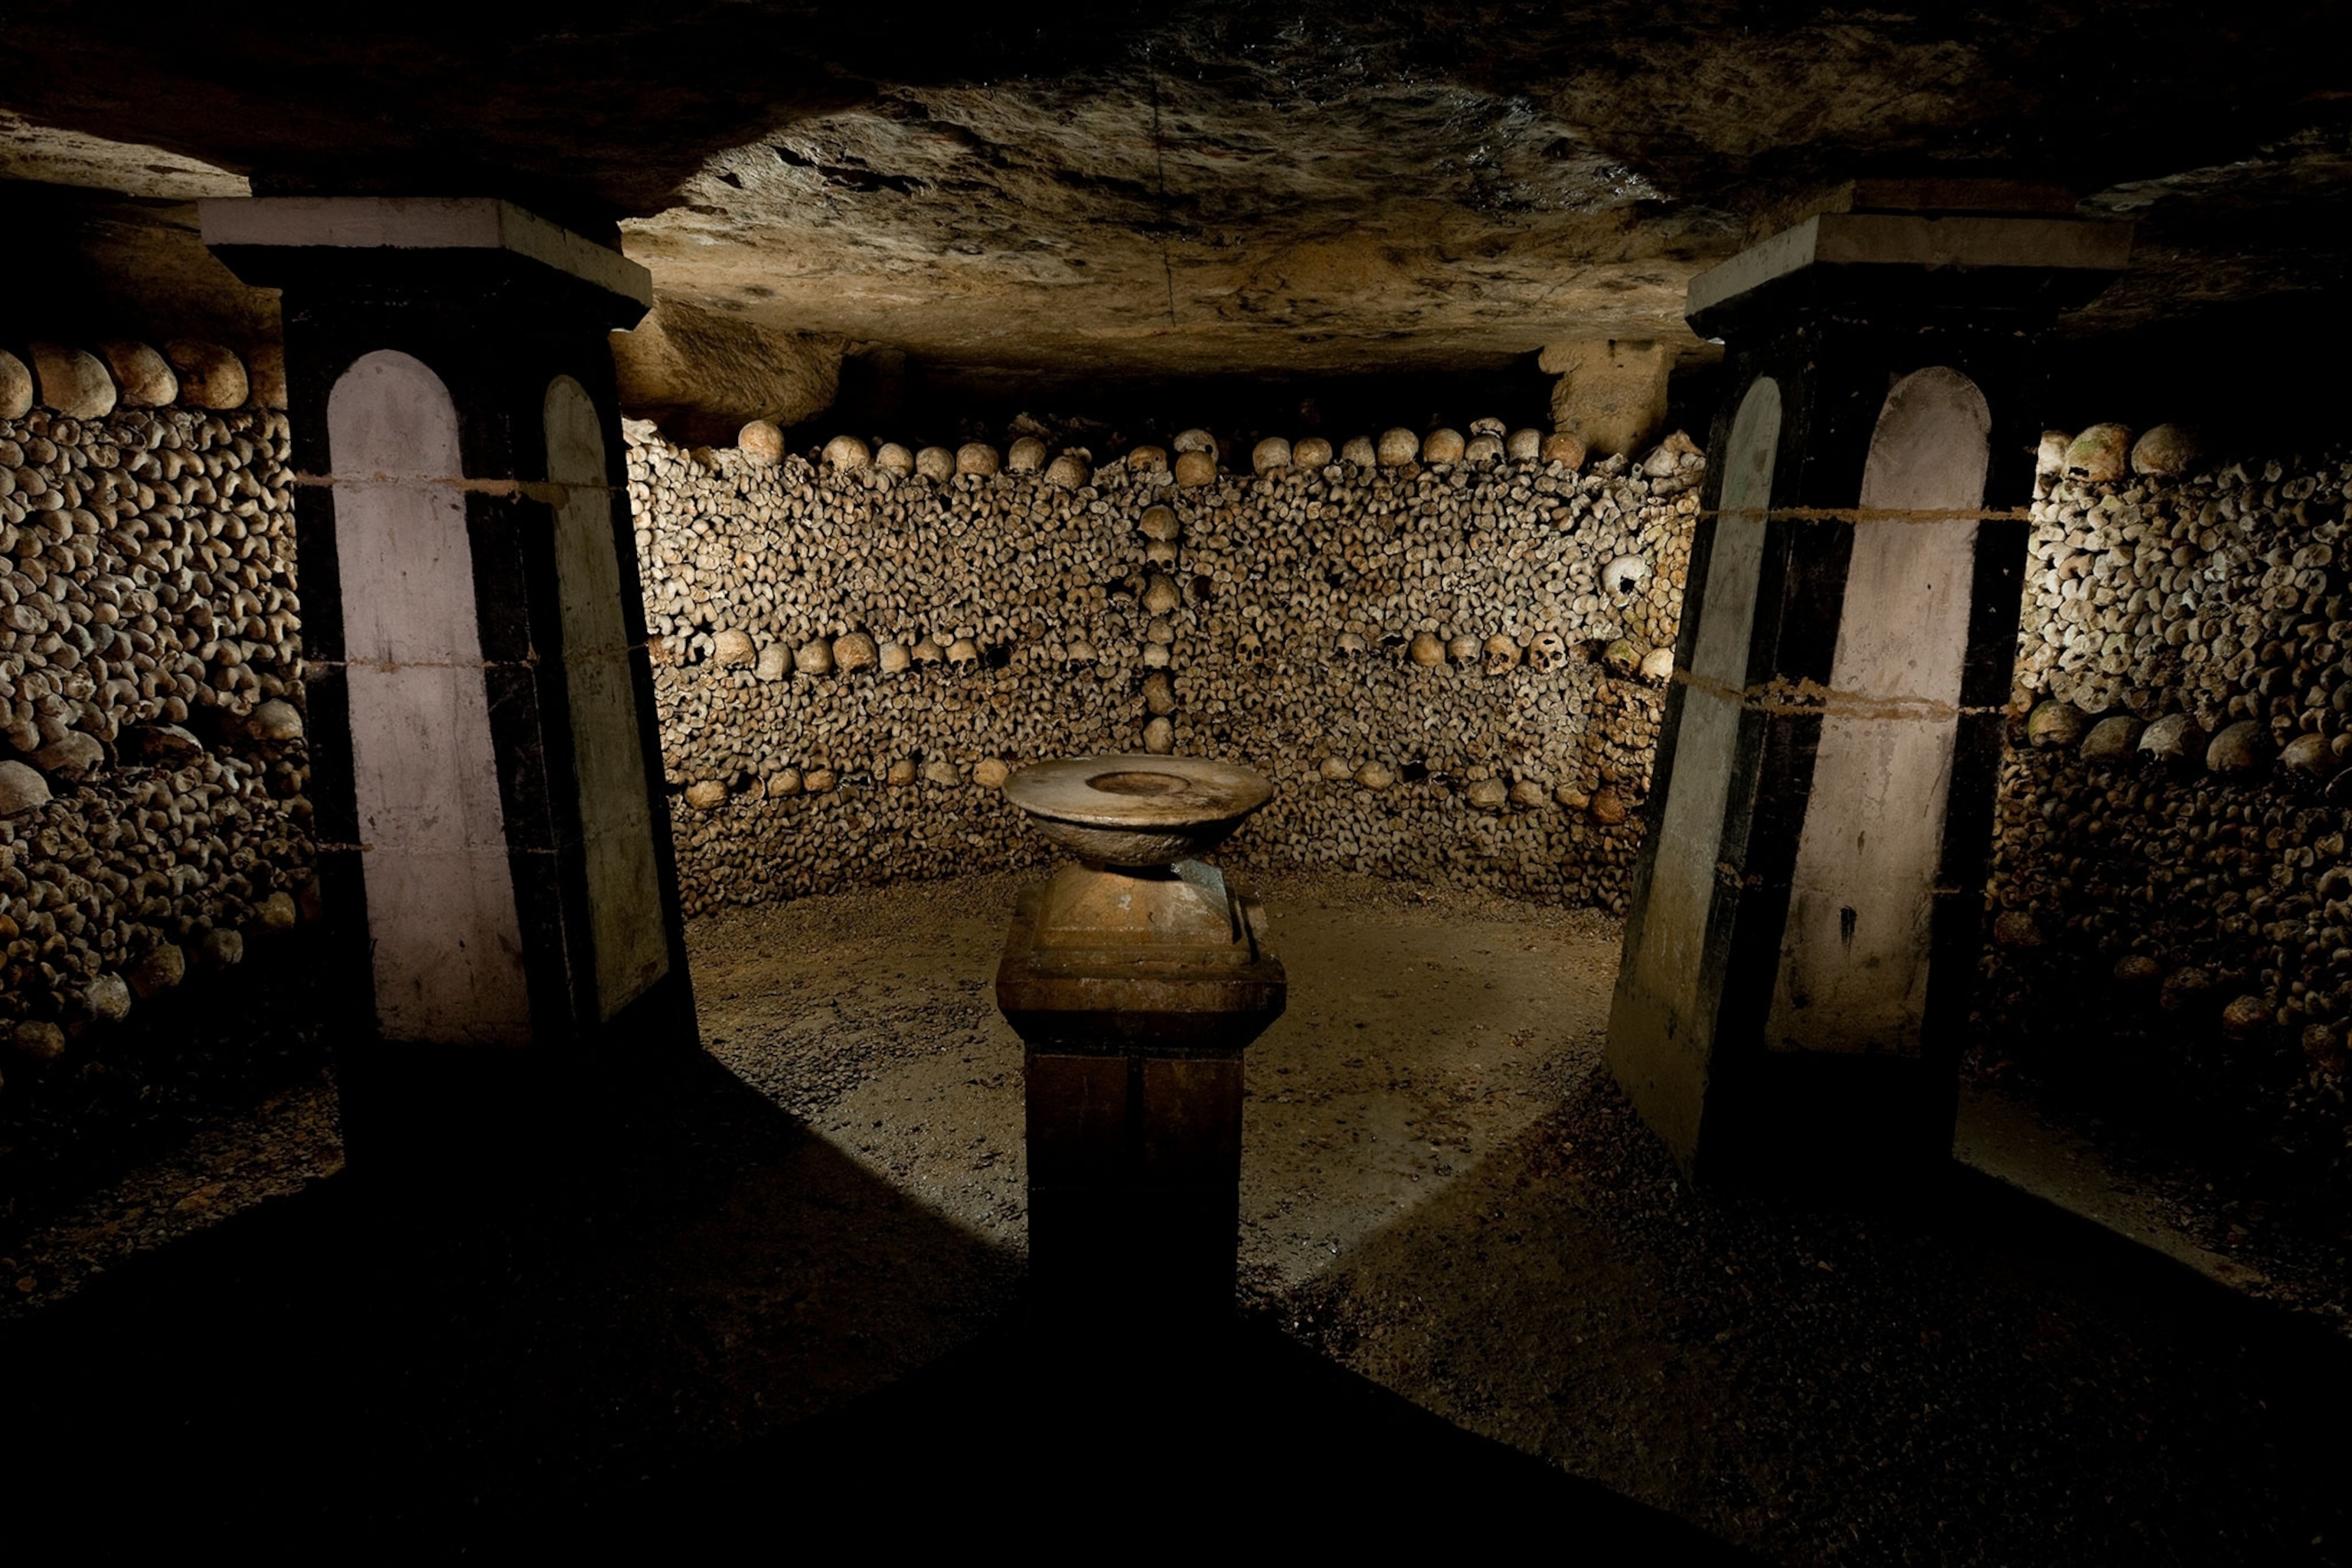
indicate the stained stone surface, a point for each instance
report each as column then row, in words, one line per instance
column 1202, row 187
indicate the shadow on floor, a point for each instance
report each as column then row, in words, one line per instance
column 1955, row 1374
column 720, row 1328
column 1234, row 1435
column 427, row 1368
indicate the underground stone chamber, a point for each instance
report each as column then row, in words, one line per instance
column 1781, row 651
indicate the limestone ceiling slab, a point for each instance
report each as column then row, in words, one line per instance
column 1219, row 186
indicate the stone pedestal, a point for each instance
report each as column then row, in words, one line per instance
column 1804, row 928
column 494, row 846
column 1136, row 992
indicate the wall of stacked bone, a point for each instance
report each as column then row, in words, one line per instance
column 2173, row 810
column 1449, row 653
column 152, row 808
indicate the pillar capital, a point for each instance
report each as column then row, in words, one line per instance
column 281, row 241
column 1910, row 261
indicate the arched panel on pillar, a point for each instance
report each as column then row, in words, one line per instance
column 445, row 944
column 1855, row 953
column 1670, row 981
column 626, row 918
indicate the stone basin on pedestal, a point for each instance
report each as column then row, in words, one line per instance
column 1136, row 978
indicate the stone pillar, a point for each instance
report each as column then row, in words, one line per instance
column 1804, row 929
column 1611, row 392
column 494, row 845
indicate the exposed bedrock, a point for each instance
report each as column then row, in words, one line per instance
column 1209, row 189
column 703, row 378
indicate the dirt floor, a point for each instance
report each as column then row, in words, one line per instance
column 1442, row 1191
column 1425, row 1030
column 1464, row 1265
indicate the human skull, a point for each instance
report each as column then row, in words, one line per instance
column 1548, row 652
column 1501, row 654
column 759, row 440
column 1624, row 574
column 1562, row 447
column 2101, row 454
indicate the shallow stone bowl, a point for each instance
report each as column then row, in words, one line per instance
column 1138, row 810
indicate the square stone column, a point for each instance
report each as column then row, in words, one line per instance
column 494, row 844
column 1804, row 935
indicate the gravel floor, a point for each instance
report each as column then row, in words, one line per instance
column 1425, row 1030
column 241, row 1155
column 1443, row 1192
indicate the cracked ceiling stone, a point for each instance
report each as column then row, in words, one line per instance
column 1202, row 190
column 703, row 377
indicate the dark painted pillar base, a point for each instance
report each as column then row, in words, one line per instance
column 426, row 1117
column 1846, row 1126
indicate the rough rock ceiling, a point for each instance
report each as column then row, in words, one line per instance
column 1245, row 186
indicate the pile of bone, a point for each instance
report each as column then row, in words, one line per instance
column 149, row 670
column 850, row 651
column 1194, row 458
column 2201, row 906
column 2188, row 614
column 150, row 570
column 111, row 892
column 2175, row 810
column 76, row 384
